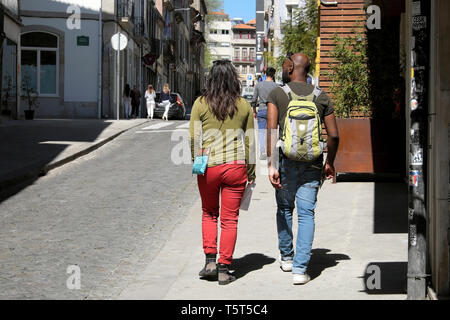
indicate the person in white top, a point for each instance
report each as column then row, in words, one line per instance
column 150, row 95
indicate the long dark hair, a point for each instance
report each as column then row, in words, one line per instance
column 223, row 88
column 127, row 90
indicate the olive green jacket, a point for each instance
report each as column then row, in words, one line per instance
column 228, row 140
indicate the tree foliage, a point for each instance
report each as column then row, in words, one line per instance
column 349, row 75
column 212, row 6
column 300, row 33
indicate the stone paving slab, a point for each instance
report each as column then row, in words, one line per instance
column 345, row 245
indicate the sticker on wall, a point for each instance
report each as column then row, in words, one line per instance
column 414, row 178
column 419, row 22
column 414, row 104
column 417, row 158
column 413, row 235
column 415, row 137
column 416, row 8
column 410, row 213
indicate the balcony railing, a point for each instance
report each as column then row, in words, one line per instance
column 244, row 59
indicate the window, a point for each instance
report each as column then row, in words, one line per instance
column 252, row 54
column 225, row 44
column 244, row 53
column 40, row 62
column 236, row 53
column 225, row 31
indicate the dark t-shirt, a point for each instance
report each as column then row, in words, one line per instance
column 279, row 98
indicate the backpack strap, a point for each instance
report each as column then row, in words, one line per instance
column 317, row 92
column 287, row 90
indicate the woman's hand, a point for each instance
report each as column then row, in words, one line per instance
column 250, row 182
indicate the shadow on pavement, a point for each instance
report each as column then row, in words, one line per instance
column 28, row 147
column 390, row 208
column 250, row 262
column 385, row 278
column 321, row 259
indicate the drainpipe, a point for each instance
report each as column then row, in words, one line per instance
column 100, row 50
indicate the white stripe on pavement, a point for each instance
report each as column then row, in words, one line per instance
column 158, row 126
column 159, row 131
column 184, row 126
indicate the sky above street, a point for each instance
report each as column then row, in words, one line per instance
column 244, row 9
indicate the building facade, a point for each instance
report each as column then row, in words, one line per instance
column 10, row 25
column 244, row 52
column 68, row 44
column 219, row 36
column 276, row 14
column 413, row 35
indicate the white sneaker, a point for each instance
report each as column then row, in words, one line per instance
column 301, row 278
column 286, row 265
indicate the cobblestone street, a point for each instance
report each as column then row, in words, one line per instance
column 108, row 212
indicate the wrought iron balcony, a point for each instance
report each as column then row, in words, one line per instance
column 244, row 59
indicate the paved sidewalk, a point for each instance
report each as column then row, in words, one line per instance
column 357, row 225
column 31, row 148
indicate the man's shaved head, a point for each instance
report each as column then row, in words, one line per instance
column 301, row 62
column 296, row 68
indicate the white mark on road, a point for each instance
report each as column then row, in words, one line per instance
column 158, row 126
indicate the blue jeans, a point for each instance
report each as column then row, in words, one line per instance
column 300, row 183
column 262, row 127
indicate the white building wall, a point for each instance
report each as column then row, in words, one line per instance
column 86, row 6
column 219, row 38
column 80, row 62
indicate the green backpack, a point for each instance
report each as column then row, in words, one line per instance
column 301, row 139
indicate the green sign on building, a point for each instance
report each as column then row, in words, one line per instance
column 83, row 41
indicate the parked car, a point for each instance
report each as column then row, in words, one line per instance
column 177, row 108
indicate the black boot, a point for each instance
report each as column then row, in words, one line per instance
column 210, row 268
column 225, row 277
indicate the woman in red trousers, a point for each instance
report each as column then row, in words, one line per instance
column 222, row 123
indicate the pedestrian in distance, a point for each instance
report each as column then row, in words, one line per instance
column 127, row 101
column 150, row 95
column 166, row 100
column 230, row 166
column 262, row 90
column 135, row 101
column 299, row 109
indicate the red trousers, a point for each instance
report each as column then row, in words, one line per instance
column 227, row 182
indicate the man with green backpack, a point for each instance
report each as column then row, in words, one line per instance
column 296, row 113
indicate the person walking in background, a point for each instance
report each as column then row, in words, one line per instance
column 297, row 179
column 135, row 101
column 262, row 90
column 166, row 100
column 150, row 95
column 214, row 115
column 127, row 100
